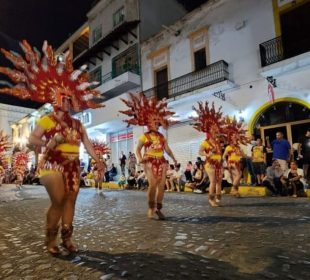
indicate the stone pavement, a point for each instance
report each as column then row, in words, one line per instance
column 246, row 238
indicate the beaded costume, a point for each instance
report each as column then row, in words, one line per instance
column 43, row 78
column 144, row 112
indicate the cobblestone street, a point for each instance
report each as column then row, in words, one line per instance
column 246, row 238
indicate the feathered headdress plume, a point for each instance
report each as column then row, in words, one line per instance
column 144, row 112
column 207, row 117
column 43, row 79
column 100, row 148
column 235, row 129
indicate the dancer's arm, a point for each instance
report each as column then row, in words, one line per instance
column 138, row 151
column 35, row 139
column 169, row 152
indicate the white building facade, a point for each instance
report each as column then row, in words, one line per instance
column 216, row 54
column 226, row 52
column 109, row 43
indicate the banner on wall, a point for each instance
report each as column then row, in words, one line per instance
column 284, row 2
column 120, row 137
column 271, row 93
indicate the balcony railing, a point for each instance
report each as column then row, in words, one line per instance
column 271, row 51
column 278, row 49
column 127, row 61
column 212, row 74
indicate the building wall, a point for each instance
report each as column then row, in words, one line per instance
column 10, row 114
column 222, row 18
column 155, row 13
column 102, row 14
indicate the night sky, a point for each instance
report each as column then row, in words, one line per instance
column 36, row 21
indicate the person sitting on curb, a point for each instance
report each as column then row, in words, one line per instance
column 274, row 179
column 122, row 182
column 295, row 182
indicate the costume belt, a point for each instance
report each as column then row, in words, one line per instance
column 217, row 165
column 66, row 163
column 157, row 165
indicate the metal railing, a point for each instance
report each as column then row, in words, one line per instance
column 271, row 51
column 212, row 74
column 127, row 61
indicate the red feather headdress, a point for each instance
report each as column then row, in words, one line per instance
column 45, row 80
column 208, row 118
column 235, row 129
column 100, row 148
column 146, row 112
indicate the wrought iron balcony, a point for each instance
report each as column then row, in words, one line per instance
column 212, row 74
column 271, row 51
column 279, row 49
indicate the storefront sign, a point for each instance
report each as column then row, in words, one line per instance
column 120, row 137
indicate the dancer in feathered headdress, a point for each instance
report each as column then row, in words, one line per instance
column 20, row 160
column 236, row 135
column 153, row 114
column 4, row 147
column 46, row 79
column 101, row 149
column 210, row 121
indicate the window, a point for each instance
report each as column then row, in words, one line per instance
column 97, row 34
column 126, row 61
column 118, row 16
column 200, row 59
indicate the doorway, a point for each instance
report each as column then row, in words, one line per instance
column 161, row 79
column 292, row 131
column 295, row 26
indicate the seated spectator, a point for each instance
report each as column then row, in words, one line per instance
column 294, row 178
column 89, row 179
column 274, row 179
column 188, row 172
column 122, row 181
column 178, row 178
column 131, row 180
column 227, row 181
column 200, row 178
column 83, row 176
column 169, row 176
column 142, row 180
column 112, row 172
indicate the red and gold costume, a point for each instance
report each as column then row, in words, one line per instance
column 236, row 134
column 43, row 79
column 144, row 112
column 210, row 121
column 20, row 160
column 4, row 147
column 65, row 157
column 101, row 149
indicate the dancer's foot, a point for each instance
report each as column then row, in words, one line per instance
column 213, row 203
column 235, row 192
column 68, row 245
column 150, row 213
column 66, row 234
column 50, row 242
column 160, row 215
